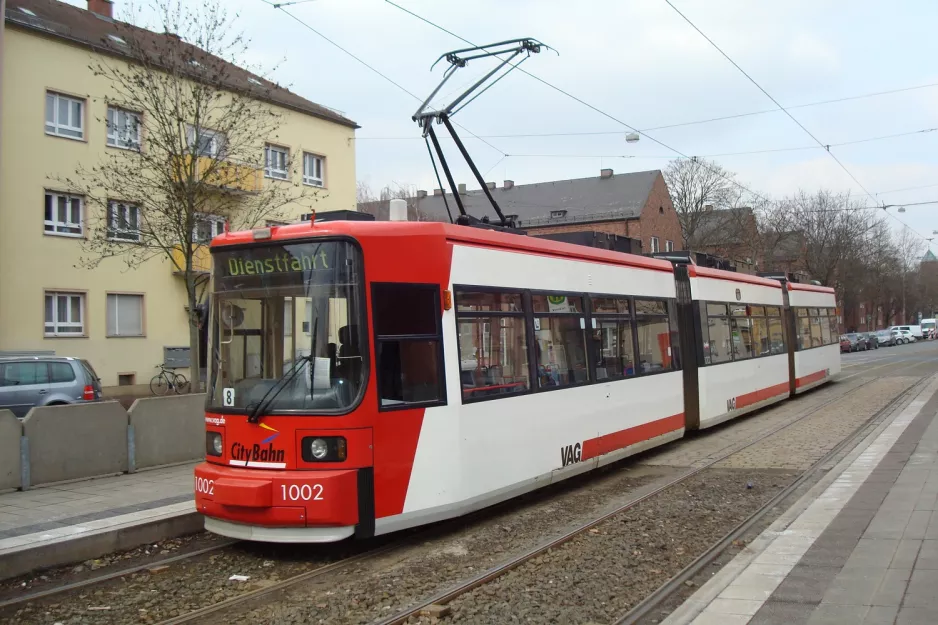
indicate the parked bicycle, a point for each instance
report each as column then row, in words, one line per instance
column 165, row 380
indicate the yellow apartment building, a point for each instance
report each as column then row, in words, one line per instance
column 55, row 116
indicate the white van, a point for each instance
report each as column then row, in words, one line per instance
column 929, row 327
column 915, row 330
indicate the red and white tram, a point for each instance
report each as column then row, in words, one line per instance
column 368, row 377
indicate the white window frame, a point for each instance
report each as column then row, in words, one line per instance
column 120, row 133
column 61, row 228
column 669, row 246
column 216, row 225
column 107, row 322
column 276, row 162
column 655, row 246
column 216, row 142
column 309, row 172
column 69, row 327
column 115, row 230
column 60, row 128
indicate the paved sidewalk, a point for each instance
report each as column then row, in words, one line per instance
column 66, row 522
column 864, row 551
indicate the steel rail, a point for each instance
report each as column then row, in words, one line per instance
column 447, row 595
column 56, row 590
column 676, row 583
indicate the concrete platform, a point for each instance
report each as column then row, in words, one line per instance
column 75, row 521
column 860, row 548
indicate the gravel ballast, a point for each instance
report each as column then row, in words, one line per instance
column 601, row 574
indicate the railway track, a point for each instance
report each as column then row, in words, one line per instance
column 104, row 577
column 676, row 583
column 269, row 591
column 435, row 604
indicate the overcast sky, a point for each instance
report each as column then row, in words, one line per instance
column 638, row 61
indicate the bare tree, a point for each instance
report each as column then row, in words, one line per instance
column 909, row 249
column 205, row 124
column 695, row 184
column 833, row 226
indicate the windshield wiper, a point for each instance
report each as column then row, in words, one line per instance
column 284, row 381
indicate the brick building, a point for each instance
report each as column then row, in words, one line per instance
column 635, row 205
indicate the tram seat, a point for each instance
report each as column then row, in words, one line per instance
column 349, row 353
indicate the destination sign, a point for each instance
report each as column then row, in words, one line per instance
column 258, row 263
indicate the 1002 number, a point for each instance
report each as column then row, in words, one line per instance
column 204, row 486
column 306, row 492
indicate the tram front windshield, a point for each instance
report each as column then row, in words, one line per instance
column 286, row 323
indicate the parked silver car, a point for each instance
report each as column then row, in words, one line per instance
column 885, row 337
column 27, row 381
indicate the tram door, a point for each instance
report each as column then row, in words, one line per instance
column 791, row 337
column 691, row 346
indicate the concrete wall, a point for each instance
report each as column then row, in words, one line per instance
column 168, row 429
column 86, row 440
column 76, row 441
column 10, row 431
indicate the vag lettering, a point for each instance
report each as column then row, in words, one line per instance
column 570, row 454
column 256, row 453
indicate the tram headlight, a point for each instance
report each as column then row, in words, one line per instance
column 319, row 448
column 324, row 449
column 213, row 444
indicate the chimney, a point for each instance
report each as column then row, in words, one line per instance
column 708, row 208
column 104, row 8
column 509, row 184
column 490, row 185
column 421, row 194
column 398, row 210
column 462, row 188
column 605, row 173
column 437, row 192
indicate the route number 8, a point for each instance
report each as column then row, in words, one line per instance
column 228, row 397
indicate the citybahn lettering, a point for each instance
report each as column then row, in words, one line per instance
column 570, row 454
column 256, row 453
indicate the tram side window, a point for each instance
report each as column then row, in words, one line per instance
column 825, row 326
column 776, row 330
column 675, row 335
column 760, row 331
column 654, row 335
column 493, row 349
column 742, row 332
column 816, row 336
column 835, row 325
column 612, row 337
column 560, row 332
column 803, row 327
column 408, row 344
column 719, row 348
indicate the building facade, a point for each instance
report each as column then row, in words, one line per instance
column 58, row 116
